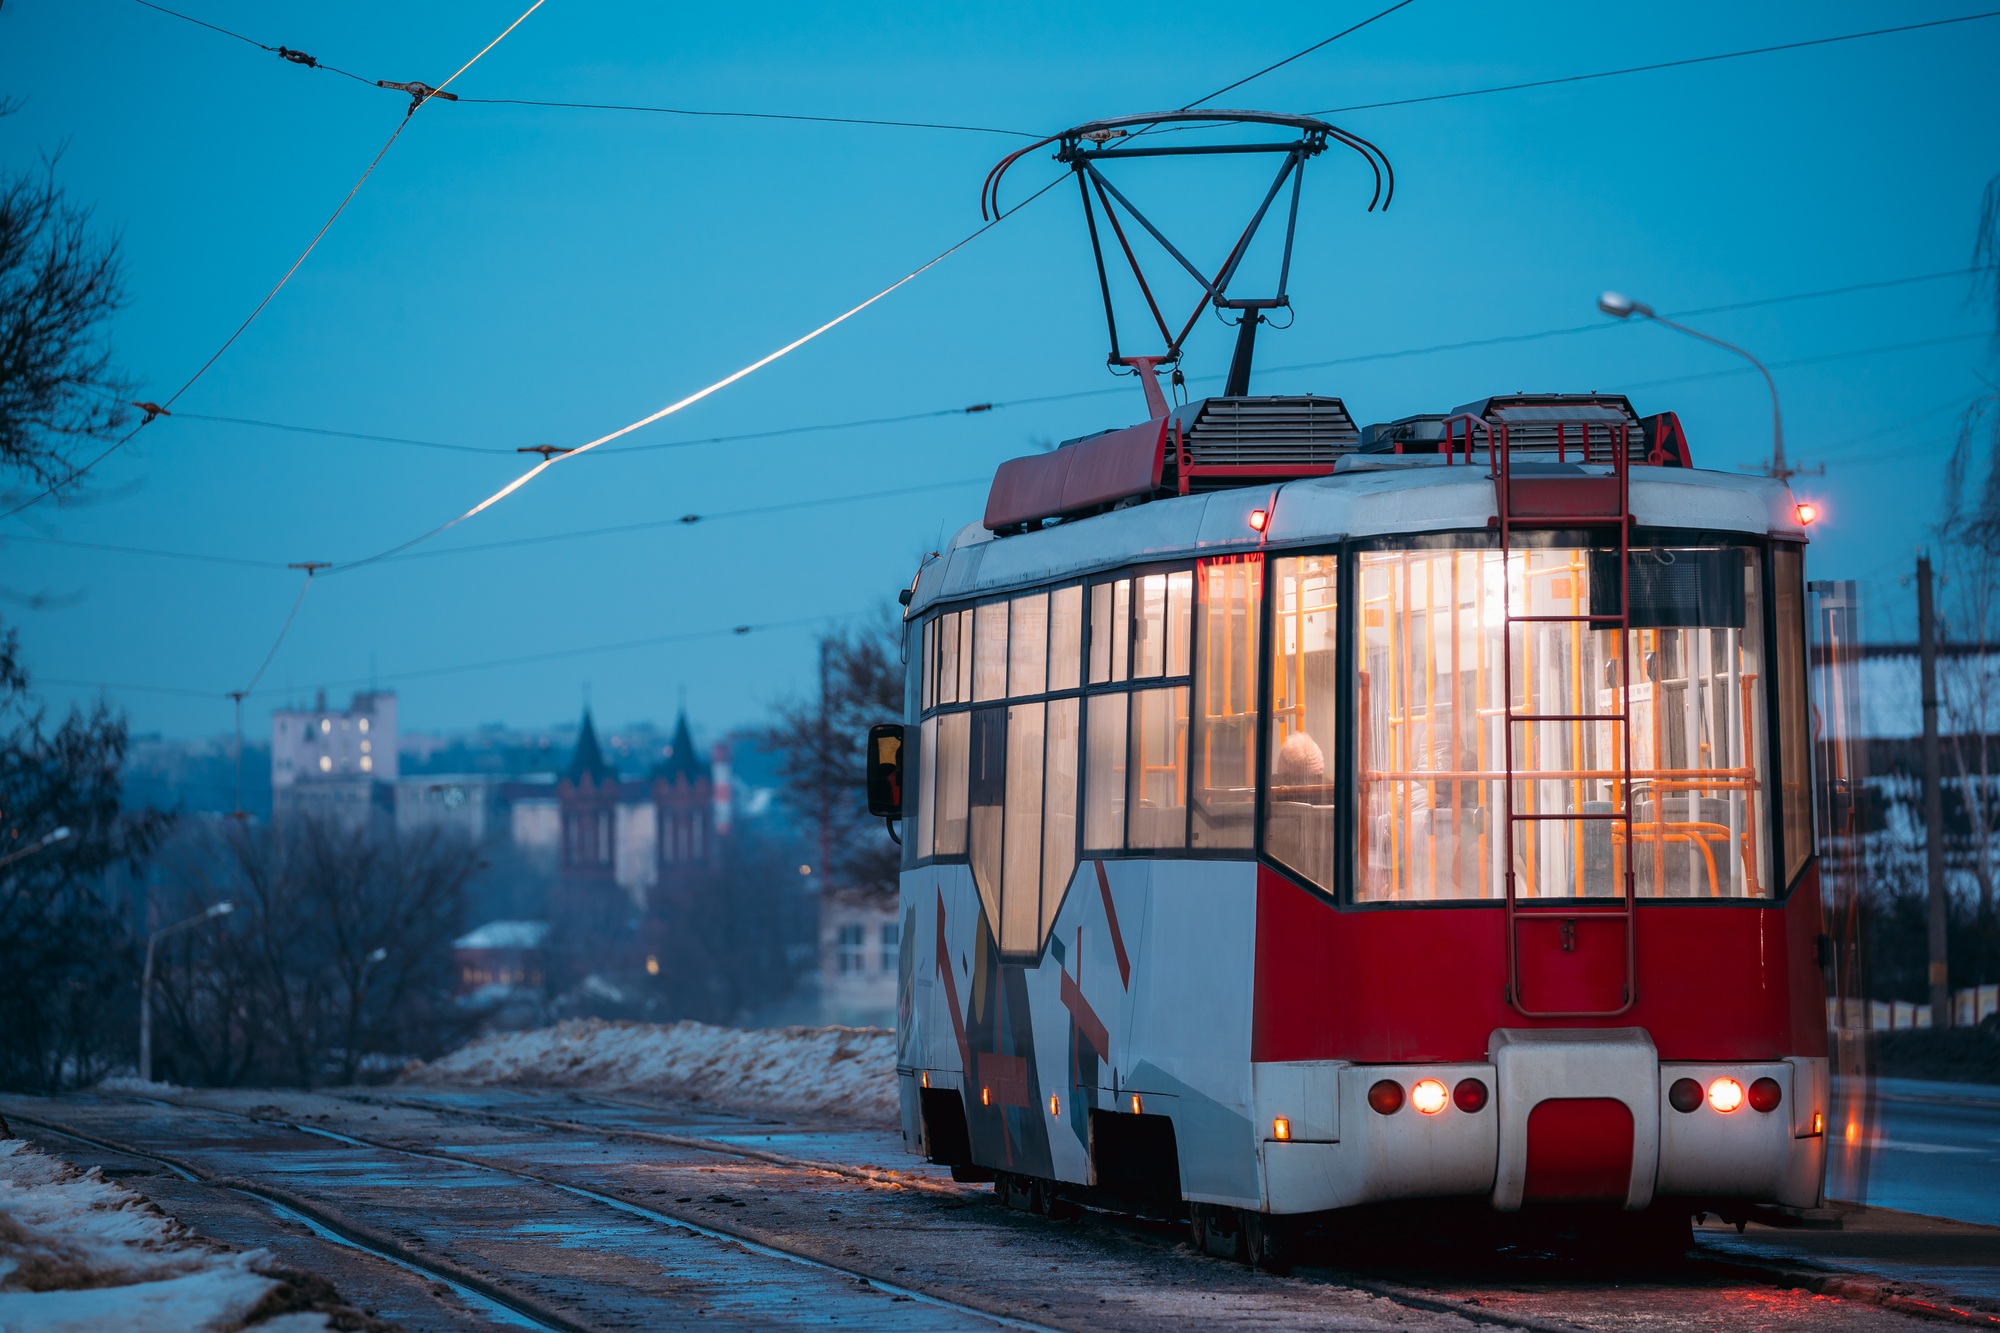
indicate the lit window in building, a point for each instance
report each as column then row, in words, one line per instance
column 326, row 724
column 367, row 764
column 892, row 940
column 366, row 746
column 364, row 724
column 853, row 944
column 326, row 763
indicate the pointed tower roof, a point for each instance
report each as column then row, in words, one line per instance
column 684, row 761
column 589, row 757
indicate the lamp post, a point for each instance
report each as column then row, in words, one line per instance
column 146, row 983
column 1620, row 306
column 46, row 840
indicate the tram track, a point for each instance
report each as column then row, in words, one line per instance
column 1107, row 1249
column 330, row 1224
column 1849, row 1287
column 388, row 1248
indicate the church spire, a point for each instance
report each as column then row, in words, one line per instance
column 589, row 757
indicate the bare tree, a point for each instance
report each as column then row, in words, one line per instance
column 66, row 956
column 59, row 281
column 820, row 742
column 340, row 948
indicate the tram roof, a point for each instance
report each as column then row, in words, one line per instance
column 1366, row 496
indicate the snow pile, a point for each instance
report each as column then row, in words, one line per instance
column 80, row 1253
column 841, row 1071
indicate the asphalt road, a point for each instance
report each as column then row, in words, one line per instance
column 459, row 1210
column 1937, row 1150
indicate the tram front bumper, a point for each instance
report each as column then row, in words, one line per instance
column 1569, row 1116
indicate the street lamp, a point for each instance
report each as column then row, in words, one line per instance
column 146, row 983
column 1620, row 306
column 46, row 840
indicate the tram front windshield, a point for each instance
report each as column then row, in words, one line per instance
column 1655, row 737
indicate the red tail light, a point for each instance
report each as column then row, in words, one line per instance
column 1386, row 1096
column 1469, row 1095
column 1765, row 1094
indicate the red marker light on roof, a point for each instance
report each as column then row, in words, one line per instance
column 1808, row 513
column 1259, row 519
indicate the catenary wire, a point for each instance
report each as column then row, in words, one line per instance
column 755, row 115
column 416, row 103
column 699, row 394
column 688, row 520
column 296, row 57
column 314, row 63
column 1829, row 454
column 526, row 659
column 1296, row 55
column 1664, row 64
column 1037, row 399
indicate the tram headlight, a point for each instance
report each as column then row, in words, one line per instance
column 1386, row 1096
column 1725, row 1095
column 1765, row 1094
column 1429, row 1096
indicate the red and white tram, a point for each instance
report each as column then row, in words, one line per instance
column 1298, row 817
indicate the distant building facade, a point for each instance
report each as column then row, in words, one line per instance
column 860, row 950
column 341, row 763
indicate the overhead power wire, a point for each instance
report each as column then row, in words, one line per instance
column 756, row 115
column 1296, row 55
column 1795, row 362
column 526, row 659
column 981, row 408
column 555, row 456
column 153, row 411
column 1663, row 64
column 282, row 52
column 688, row 520
column 301, row 58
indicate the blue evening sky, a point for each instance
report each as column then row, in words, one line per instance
column 516, row 275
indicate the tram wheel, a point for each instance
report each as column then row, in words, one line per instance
column 1022, row 1192
column 1269, row 1242
column 1217, row 1231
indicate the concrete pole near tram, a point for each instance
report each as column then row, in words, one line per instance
column 1940, row 973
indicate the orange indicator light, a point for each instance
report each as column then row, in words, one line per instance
column 1808, row 512
column 1135, row 1103
column 925, row 1078
column 1725, row 1095
column 1055, row 1107
column 1819, row 1123
column 1281, row 1129
column 1259, row 519
column 1429, row 1096
column 986, row 1096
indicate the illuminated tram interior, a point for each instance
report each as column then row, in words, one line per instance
column 1121, row 716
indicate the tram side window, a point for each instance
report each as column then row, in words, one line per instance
column 1794, row 742
column 1225, row 716
column 998, row 782
column 1304, row 724
column 1440, row 734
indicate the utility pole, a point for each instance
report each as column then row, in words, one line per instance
column 1933, row 796
column 827, row 768
column 146, row 983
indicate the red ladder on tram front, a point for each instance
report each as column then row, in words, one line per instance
column 1563, row 498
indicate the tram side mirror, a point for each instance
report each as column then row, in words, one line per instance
column 885, row 770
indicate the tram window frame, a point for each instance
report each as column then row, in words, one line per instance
column 1342, row 893
column 1106, row 642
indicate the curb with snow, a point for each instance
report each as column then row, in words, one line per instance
column 827, row 1071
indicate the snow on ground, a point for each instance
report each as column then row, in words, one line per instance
column 78, row 1252
column 842, row 1071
